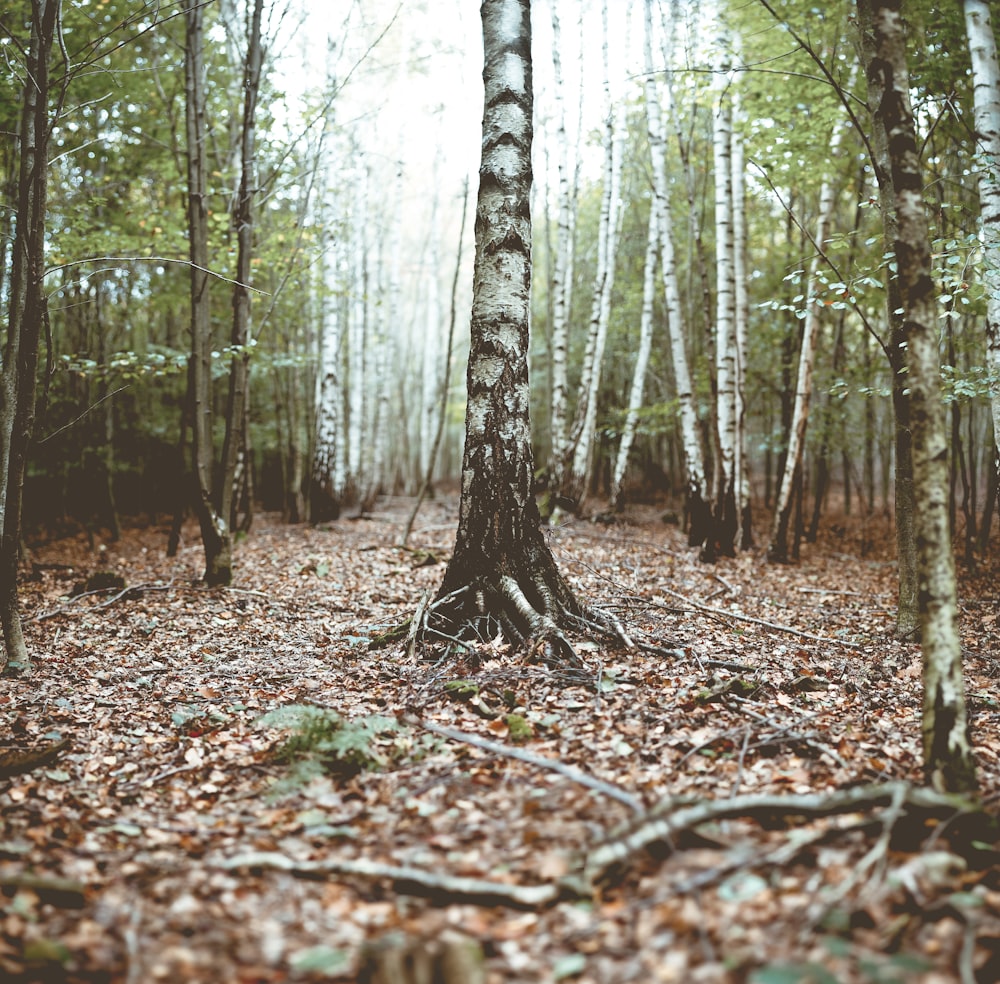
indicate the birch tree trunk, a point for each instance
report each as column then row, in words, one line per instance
column 240, row 336
column 948, row 760
column 562, row 267
column 986, row 103
column 326, row 482
column 27, row 317
column 576, row 486
column 778, row 549
column 215, row 534
column 501, row 573
column 741, row 315
column 725, row 525
column 641, row 359
column 697, row 504
column 907, row 611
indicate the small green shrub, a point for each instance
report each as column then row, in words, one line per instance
column 320, row 740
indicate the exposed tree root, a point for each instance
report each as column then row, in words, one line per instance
column 535, row 615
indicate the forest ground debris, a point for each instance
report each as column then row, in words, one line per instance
column 741, row 866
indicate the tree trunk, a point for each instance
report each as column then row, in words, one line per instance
column 696, row 494
column 948, row 760
column 326, row 480
column 561, row 271
column 778, row 548
column 907, row 615
column 641, row 360
column 986, row 101
column 581, row 467
column 215, row 533
column 240, row 337
column 725, row 519
column 502, row 574
column 27, row 317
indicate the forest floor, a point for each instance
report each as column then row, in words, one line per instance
column 151, row 848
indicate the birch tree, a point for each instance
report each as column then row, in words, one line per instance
column 213, row 526
column 585, row 422
column 563, row 263
column 502, row 574
column 778, row 548
column 27, row 318
column 725, row 526
column 986, row 104
column 327, row 479
column 947, row 752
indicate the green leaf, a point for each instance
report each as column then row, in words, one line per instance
column 569, row 966
column 319, row 960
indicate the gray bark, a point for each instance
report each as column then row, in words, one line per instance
column 948, row 761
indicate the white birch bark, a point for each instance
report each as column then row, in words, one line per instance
column 356, row 332
column 641, row 359
column 986, row 103
column 724, row 498
column 778, row 548
column 432, row 350
column 327, row 477
column 696, row 497
column 741, row 313
column 561, row 281
column 586, row 417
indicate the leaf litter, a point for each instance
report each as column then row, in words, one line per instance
column 245, row 788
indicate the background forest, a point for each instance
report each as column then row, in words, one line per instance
column 360, row 173
column 236, row 275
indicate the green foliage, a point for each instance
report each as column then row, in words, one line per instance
column 320, row 740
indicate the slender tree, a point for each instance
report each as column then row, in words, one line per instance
column 27, row 319
column 696, row 492
column 240, row 335
column 726, row 521
column 215, row 534
column 947, row 751
column 778, row 548
column 502, row 573
column 986, row 103
column 575, row 487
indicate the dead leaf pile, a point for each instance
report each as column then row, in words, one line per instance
column 143, row 782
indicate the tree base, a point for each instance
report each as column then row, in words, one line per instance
column 532, row 612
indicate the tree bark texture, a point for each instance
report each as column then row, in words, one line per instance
column 725, row 527
column 948, row 759
column 215, row 533
column 907, row 616
column 27, row 317
column 986, row 109
column 502, row 573
column 696, row 494
column 240, row 339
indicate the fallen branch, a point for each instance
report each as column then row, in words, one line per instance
column 15, row 761
column 553, row 765
column 408, row 881
column 776, row 626
column 64, row 893
column 665, row 823
column 129, row 592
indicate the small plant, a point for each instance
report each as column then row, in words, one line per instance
column 320, row 740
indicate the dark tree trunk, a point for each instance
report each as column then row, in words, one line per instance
column 28, row 316
column 215, row 534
